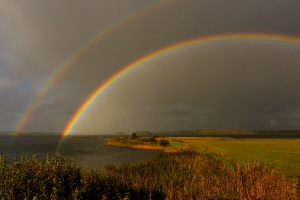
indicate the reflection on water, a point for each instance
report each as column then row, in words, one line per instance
column 88, row 152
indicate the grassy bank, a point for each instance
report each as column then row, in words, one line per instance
column 181, row 175
column 279, row 153
column 282, row 154
column 174, row 145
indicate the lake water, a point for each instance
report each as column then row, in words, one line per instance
column 88, row 152
column 91, row 152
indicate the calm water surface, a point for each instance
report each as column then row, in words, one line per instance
column 88, row 152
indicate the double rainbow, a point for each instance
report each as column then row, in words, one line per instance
column 75, row 56
column 174, row 47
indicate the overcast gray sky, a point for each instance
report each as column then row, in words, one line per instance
column 237, row 84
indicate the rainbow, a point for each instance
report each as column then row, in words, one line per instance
column 75, row 56
column 267, row 37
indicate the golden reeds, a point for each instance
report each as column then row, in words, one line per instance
column 180, row 175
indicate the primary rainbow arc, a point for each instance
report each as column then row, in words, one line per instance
column 177, row 46
column 75, row 56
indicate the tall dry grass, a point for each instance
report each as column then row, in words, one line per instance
column 48, row 178
column 181, row 175
column 194, row 175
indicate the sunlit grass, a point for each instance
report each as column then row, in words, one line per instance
column 144, row 143
column 280, row 153
column 178, row 144
column 145, row 146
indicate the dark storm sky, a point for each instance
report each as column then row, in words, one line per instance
column 250, row 84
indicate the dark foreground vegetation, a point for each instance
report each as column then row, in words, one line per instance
column 181, row 175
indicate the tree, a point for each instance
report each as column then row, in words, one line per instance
column 164, row 142
column 133, row 135
column 152, row 139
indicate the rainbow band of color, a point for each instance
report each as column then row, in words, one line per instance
column 75, row 56
column 176, row 46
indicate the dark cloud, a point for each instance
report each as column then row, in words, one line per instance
column 237, row 84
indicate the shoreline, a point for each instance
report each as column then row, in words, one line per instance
column 175, row 144
column 280, row 153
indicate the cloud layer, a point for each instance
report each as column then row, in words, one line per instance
column 247, row 85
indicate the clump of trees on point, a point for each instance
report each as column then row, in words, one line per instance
column 164, row 142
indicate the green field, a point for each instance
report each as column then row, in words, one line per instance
column 279, row 153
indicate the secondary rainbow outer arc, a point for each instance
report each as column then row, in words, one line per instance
column 126, row 69
column 74, row 57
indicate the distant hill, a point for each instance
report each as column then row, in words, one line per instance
column 42, row 133
column 120, row 133
column 223, row 132
column 10, row 133
column 277, row 131
column 207, row 132
column 30, row 133
column 143, row 133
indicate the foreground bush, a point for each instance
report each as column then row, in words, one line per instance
column 185, row 175
column 164, row 142
column 50, row 178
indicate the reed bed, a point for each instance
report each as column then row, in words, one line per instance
column 180, row 175
column 48, row 178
